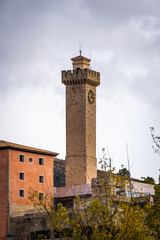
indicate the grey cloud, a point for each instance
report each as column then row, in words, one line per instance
column 37, row 40
column 123, row 9
column 36, row 34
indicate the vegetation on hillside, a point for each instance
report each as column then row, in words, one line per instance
column 108, row 214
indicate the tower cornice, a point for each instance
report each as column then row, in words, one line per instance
column 81, row 76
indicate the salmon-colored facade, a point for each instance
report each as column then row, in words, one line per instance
column 31, row 171
column 22, row 167
column 3, row 193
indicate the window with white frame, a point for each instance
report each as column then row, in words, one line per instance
column 41, row 161
column 41, row 179
column 21, row 175
column 41, row 195
column 30, row 160
column 21, row 193
column 21, row 158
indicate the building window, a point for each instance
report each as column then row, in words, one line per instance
column 41, row 179
column 21, row 193
column 21, row 175
column 41, row 195
column 21, row 158
column 41, row 161
column 30, row 160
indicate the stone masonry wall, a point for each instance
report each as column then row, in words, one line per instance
column 22, row 226
column 59, row 173
column 81, row 163
column 20, row 209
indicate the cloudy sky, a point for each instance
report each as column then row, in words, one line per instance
column 37, row 40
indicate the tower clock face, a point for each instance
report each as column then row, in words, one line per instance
column 91, row 96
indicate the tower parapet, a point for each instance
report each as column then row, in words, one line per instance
column 80, row 76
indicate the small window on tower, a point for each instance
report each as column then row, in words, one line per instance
column 41, row 179
column 41, row 161
column 21, row 193
column 21, row 175
column 21, row 158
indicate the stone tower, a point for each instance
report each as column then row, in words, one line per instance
column 81, row 83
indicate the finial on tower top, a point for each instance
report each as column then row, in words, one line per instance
column 80, row 61
column 80, row 51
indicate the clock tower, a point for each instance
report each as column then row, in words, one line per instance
column 81, row 83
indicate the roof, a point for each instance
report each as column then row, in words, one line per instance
column 15, row 146
column 71, row 191
column 80, row 58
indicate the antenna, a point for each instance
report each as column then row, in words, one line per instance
column 90, row 67
column 109, row 158
column 127, row 157
column 130, row 185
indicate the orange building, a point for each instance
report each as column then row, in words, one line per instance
column 22, row 167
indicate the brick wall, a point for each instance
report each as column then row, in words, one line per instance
column 32, row 172
column 3, row 194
